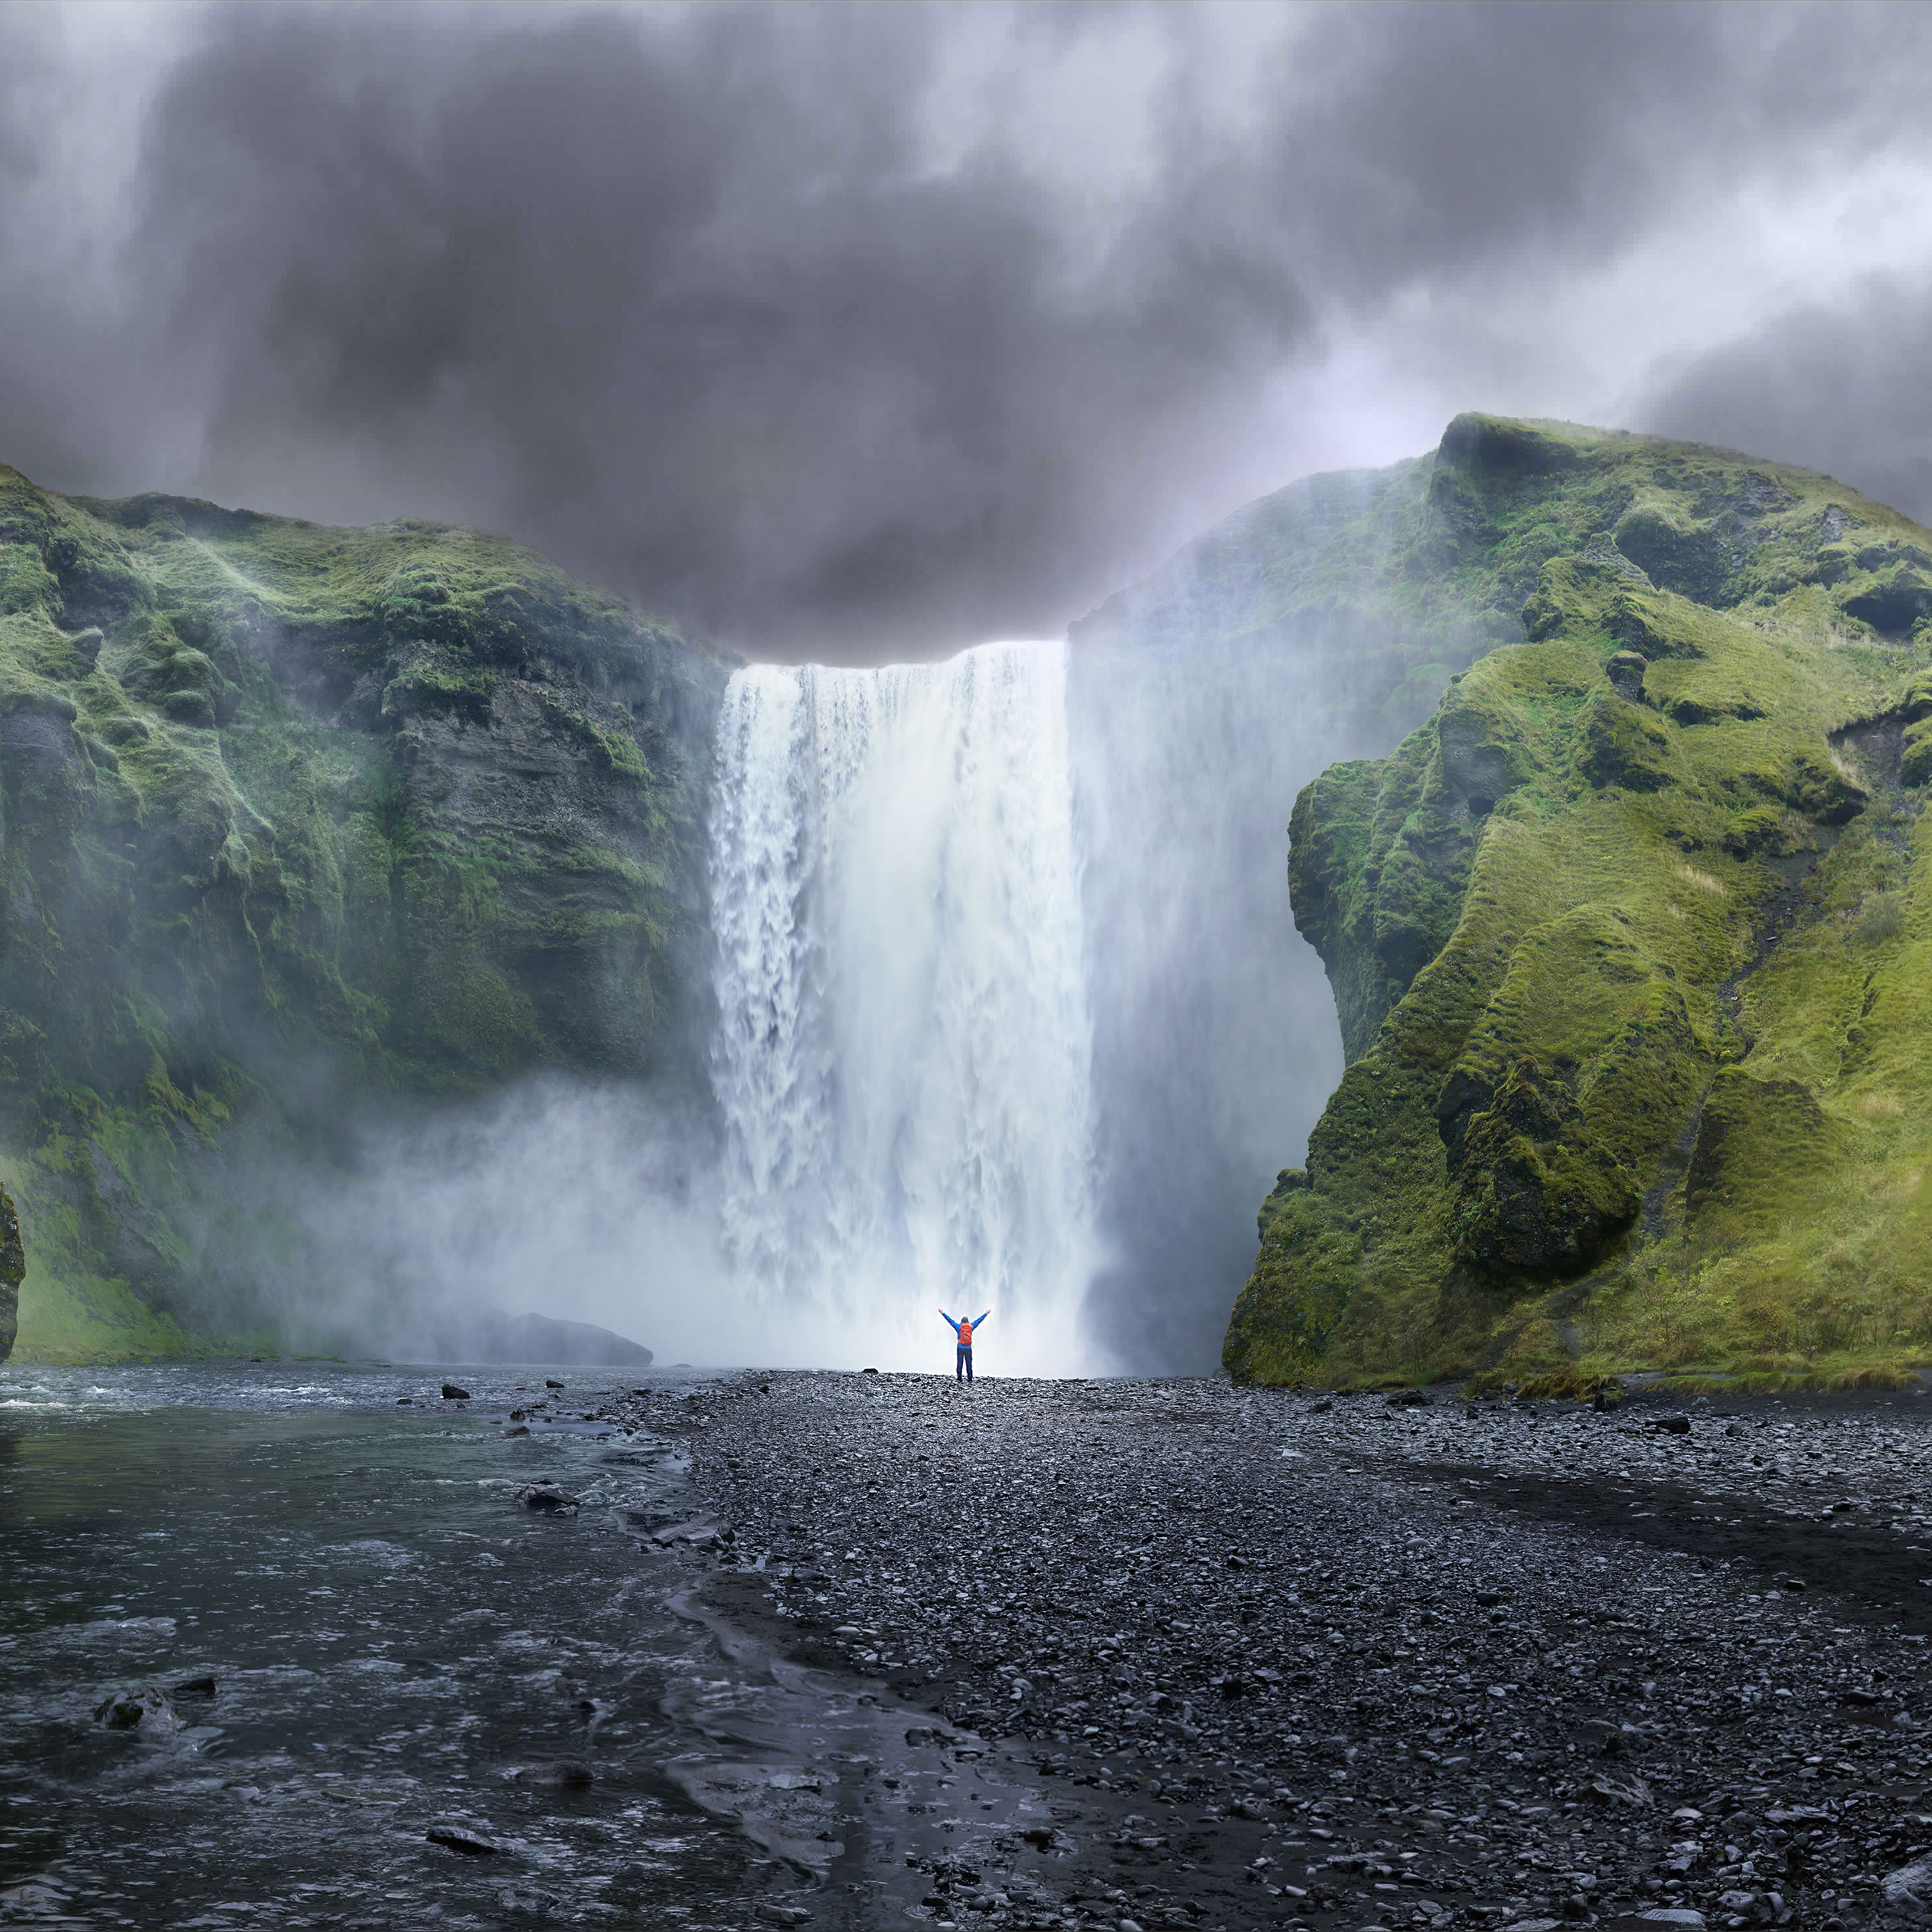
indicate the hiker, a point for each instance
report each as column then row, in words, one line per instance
column 962, row 1368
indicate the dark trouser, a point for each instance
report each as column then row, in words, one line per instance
column 963, row 1368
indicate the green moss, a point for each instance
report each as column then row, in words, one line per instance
column 1633, row 1076
column 293, row 817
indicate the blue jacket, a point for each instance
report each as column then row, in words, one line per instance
column 956, row 1325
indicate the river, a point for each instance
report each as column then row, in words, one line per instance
column 278, row 1649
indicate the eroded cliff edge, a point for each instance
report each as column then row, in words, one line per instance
column 294, row 820
column 1629, row 944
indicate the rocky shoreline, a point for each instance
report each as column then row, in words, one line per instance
column 1274, row 1658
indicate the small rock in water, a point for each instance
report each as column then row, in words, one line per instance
column 687, row 1533
column 137, row 1710
column 546, row 1496
column 550, row 1381
column 459, row 1835
column 450, row 1393
column 522, row 1428
column 404, row 1401
column 569, row 1773
column 204, row 1687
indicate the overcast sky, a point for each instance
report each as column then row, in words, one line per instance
column 867, row 331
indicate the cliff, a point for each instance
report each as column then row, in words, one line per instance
column 1629, row 943
column 295, row 821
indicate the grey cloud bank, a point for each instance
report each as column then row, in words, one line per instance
column 864, row 332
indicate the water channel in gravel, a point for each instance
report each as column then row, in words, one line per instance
column 274, row 1650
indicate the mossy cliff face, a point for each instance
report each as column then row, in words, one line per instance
column 292, row 817
column 1629, row 944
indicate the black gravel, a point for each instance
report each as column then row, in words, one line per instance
column 1282, row 1660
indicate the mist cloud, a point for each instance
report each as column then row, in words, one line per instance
column 869, row 331
column 1840, row 389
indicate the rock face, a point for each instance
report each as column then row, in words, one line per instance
column 13, row 1271
column 1629, row 943
column 293, row 819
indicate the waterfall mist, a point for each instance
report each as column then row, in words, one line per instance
column 1006, row 1009
column 1215, row 1044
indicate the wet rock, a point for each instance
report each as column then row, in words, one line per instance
column 547, row 1496
column 1621, row 1788
column 1673, row 1425
column 147, row 1710
column 450, row 1393
column 1908, row 1892
column 698, row 1531
column 13, row 1271
column 459, row 1835
column 202, row 1688
column 550, row 1381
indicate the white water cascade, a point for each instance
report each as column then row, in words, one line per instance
column 902, row 1051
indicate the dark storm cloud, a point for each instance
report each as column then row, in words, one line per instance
column 699, row 300
column 1841, row 389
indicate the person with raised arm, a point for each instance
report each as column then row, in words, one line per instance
column 962, row 1367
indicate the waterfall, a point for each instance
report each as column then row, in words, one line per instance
column 902, row 1057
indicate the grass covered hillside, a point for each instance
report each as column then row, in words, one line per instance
column 292, row 817
column 1629, row 944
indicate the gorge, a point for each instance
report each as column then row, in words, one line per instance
column 397, row 931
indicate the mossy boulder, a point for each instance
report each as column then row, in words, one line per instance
column 1620, row 745
column 1537, row 1192
column 1915, row 751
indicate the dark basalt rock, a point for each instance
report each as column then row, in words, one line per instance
column 1625, row 671
column 13, row 1271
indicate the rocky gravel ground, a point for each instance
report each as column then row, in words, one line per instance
column 1283, row 1659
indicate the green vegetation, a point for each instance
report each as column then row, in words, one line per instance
column 1629, row 941
column 292, row 817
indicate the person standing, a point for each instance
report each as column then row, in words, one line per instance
column 962, row 1365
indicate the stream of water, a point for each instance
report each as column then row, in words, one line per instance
column 274, row 1650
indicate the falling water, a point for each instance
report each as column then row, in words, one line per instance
column 902, row 1057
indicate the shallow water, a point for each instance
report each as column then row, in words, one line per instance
column 262, row 1633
